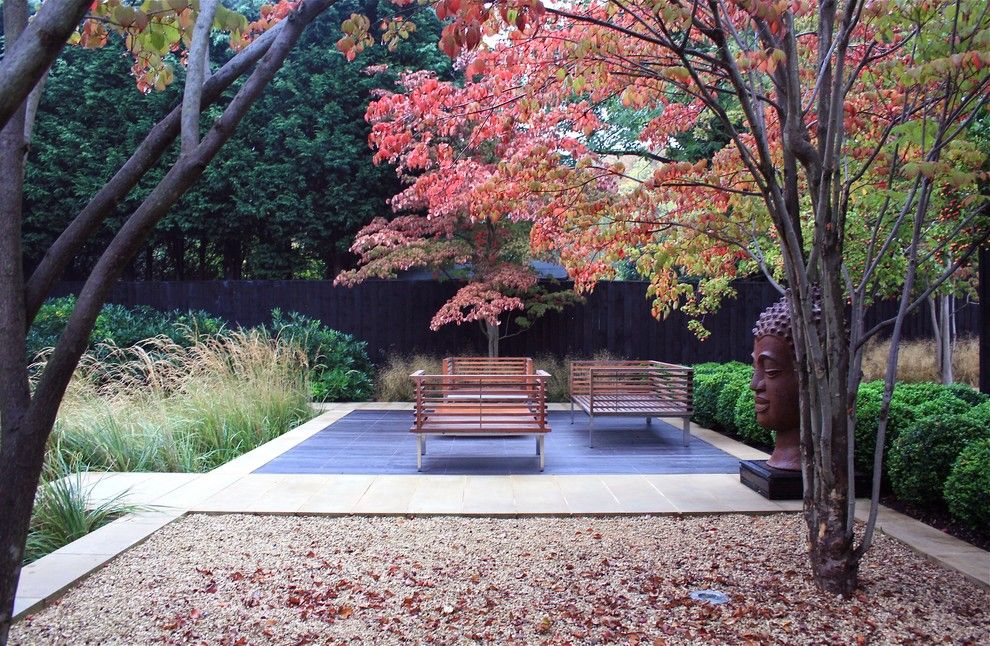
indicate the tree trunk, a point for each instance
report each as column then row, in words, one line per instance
column 22, row 449
column 946, row 311
column 491, row 331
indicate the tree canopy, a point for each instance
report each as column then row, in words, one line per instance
column 283, row 199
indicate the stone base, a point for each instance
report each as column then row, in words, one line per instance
column 773, row 484
column 776, row 484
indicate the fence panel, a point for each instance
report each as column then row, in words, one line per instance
column 394, row 316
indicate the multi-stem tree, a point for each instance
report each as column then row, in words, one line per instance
column 443, row 230
column 156, row 33
column 849, row 123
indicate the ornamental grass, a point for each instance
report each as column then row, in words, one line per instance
column 159, row 406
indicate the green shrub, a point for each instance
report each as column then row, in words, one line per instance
column 736, row 381
column 944, row 403
column 980, row 413
column 745, row 419
column 868, row 403
column 922, row 456
column 118, row 325
column 338, row 363
column 706, row 390
column 968, row 394
column 967, row 489
column 709, row 379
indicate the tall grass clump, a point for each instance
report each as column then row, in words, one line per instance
column 392, row 382
column 162, row 406
column 62, row 512
column 916, row 361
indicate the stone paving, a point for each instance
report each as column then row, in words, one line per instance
column 238, row 486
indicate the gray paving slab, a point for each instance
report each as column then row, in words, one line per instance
column 368, row 441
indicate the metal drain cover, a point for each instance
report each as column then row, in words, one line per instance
column 710, row 596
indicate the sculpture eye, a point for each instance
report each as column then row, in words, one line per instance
column 772, row 372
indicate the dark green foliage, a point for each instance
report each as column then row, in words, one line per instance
column 868, row 401
column 916, row 394
column 282, row 199
column 119, row 325
column 980, row 413
column 967, row 489
column 706, row 390
column 339, row 366
column 745, row 419
column 967, row 393
column 736, row 382
column 944, row 403
column 922, row 456
column 709, row 381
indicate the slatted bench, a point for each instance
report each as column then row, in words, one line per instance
column 631, row 389
column 475, row 405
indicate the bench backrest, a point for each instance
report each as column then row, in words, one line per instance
column 668, row 382
column 488, row 366
column 498, row 402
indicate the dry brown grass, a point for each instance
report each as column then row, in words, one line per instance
column 392, row 382
column 916, row 361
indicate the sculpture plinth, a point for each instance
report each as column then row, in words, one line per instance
column 774, row 484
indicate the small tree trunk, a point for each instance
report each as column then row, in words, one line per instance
column 945, row 339
column 20, row 458
column 491, row 331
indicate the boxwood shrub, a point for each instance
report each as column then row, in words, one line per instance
column 736, row 381
column 980, row 413
column 967, row 489
column 967, row 393
column 923, row 454
column 745, row 419
column 709, row 379
column 868, row 401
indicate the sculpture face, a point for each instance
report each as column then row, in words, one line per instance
column 775, row 384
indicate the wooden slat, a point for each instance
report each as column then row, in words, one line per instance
column 635, row 388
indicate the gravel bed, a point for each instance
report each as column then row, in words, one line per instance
column 239, row 579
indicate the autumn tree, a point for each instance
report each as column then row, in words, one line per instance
column 439, row 227
column 849, row 127
column 155, row 34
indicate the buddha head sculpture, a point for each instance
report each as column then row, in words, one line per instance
column 775, row 384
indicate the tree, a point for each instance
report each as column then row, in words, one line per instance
column 445, row 233
column 238, row 221
column 27, row 411
column 848, row 122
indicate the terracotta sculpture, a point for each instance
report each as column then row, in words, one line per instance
column 775, row 383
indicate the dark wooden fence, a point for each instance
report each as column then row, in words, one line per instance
column 394, row 316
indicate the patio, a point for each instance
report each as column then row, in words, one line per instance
column 379, row 441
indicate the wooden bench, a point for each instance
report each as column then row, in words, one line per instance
column 466, row 405
column 631, row 389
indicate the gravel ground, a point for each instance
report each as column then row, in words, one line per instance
column 290, row 580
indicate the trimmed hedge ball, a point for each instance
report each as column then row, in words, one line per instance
column 745, row 419
column 868, row 403
column 922, row 456
column 725, row 412
column 967, row 489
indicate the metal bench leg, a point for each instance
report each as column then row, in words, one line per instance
column 419, row 452
column 424, row 444
column 649, row 421
column 591, row 431
column 687, row 430
column 572, row 411
column 538, row 437
column 541, row 450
